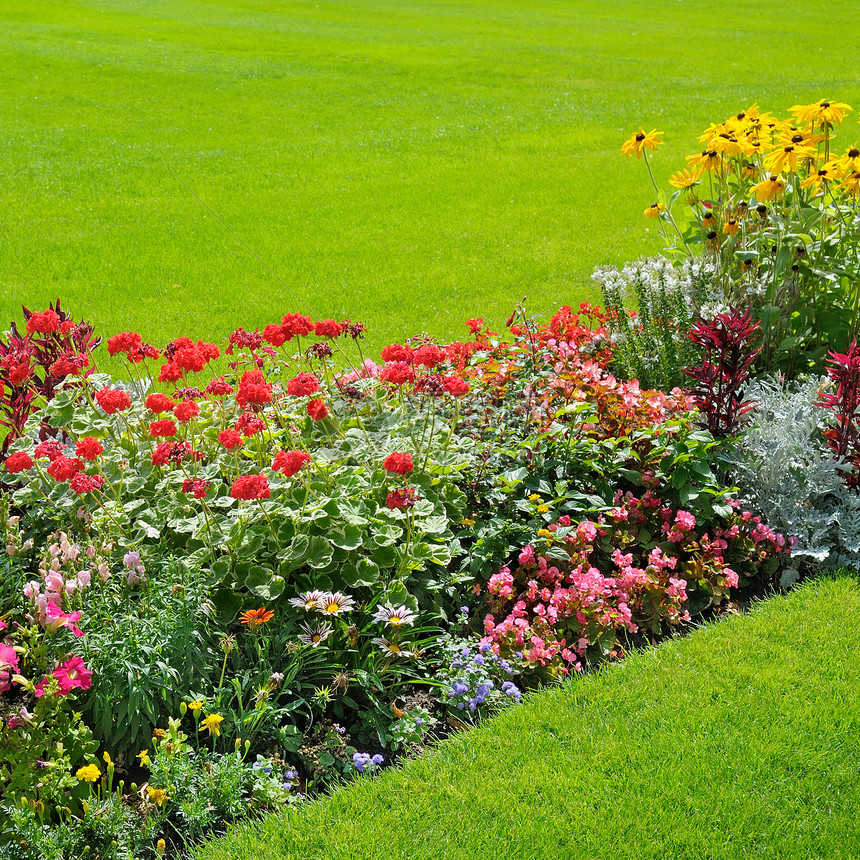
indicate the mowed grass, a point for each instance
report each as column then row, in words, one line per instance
column 739, row 741
column 187, row 166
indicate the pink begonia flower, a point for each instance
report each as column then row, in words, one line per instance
column 55, row 618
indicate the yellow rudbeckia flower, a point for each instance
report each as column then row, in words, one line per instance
column 820, row 113
column 653, row 211
column 768, row 188
column 641, row 140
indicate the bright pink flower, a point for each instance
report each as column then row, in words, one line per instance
column 73, row 674
column 55, row 618
column 8, row 666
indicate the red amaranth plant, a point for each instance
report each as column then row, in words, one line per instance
column 729, row 352
column 844, row 437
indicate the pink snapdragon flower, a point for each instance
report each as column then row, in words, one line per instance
column 55, row 618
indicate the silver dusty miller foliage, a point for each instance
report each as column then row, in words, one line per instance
column 785, row 472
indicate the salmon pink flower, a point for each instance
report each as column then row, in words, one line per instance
column 88, row 448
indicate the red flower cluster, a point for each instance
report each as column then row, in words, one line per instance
column 112, row 400
column 18, row 462
column 250, row 487
column 303, row 385
column 64, row 468
column 429, row 355
column 317, row 410
column 125, row 341
column 328, row 328
column 249, row 424
column 173, row 452
column 50, row 449
column 45, row 322
column 163, row 427
column 230, row 438
column 219, row 387
column 197, row 486
column 69, row 364
column 185, row 411
column 88, row 448
column 184, row 356
column 396, row 352
column 253, row 388
column 17, row 366
column 243, row 340
column 275, row 335
column 289, row 462
column 399, row 373
column 399, row 463
column 296, row 325
column 159, row 403
column 82, row 483
column 401, row 499
column 455, row 385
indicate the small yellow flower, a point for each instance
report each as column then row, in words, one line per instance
column 212, row 724
column 156, row 795
column 654, row 210
column 107, row 759
column 542, row 509
column 641, row 140
column 731, row 227
column 195, row 706
column 160, row 847
column 145, row 760
column 534, row 497
column 544, row 533
column 467, row 522
column 159, row 734
column 88, row 773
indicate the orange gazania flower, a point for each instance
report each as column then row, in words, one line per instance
column 255, row 617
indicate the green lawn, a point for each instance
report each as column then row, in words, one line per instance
column 192, row 165
column 739, row 741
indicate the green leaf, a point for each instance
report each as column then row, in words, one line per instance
column 361, row 574
column 319, row 553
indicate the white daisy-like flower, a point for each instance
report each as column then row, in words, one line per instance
column 399, row 616
column 334, row 603
column 308, row 600
column 315, row 636
column 392, row 649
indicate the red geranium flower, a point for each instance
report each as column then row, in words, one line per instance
column 429, row 355
column 89, row 448
column 69, row 364
column 172, row 452
column 317, row 410
column 219, row 387
column 64, row 468
column 112, row 400
column 289, row 462
column 274, row 334
column 159, row 403
column 401, row 499
column 18, row 462
column 250, row 487
column 400, row 373
column 396, row 352
column 186, row 410
column 163, row 427
column 249, row 424
column 303, row 385
column 50, row 449
column 17, row 365
column 197, row 486
column 230, row 438
column 125, row 341
column 328, row 328
column 253, row 388
column 45, row 322
column 170, row 372
column 82, row 483
column 455, row 385
column 399, row 463
column 296, row 325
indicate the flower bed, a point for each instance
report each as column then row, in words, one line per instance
column 232, row 577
